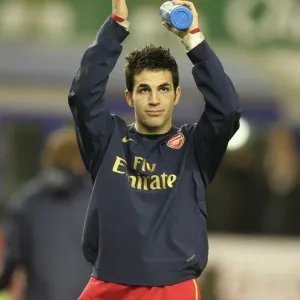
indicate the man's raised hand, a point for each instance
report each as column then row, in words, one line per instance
column 194, row 25
column 119, row 8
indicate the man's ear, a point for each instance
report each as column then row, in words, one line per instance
column 129, row 99
column 177, row 95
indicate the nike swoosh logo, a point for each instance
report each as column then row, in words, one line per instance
column 127, row 140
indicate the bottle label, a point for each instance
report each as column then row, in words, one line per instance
column 168, row 6
column 165, row 10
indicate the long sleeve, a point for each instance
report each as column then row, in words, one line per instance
column 94, row 123
column 220, row 119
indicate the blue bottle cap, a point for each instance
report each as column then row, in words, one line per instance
column 181, row 18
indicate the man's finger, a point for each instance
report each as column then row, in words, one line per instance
column 167, row 25
column 172, row 29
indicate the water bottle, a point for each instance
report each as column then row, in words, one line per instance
column 178, row 16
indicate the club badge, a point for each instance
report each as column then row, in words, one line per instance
column 176, row 141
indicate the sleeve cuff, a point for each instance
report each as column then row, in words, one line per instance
column 190, row 41
column 125, row 24
column 200, row 53
column 113, row 30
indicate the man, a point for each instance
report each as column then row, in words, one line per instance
column 145, row 231
column 44, row 227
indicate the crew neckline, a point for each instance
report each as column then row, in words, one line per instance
column 153, row 136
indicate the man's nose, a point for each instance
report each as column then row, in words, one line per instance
column 154, row 99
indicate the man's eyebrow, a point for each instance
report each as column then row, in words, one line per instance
column 143, row 85
column 164, row 84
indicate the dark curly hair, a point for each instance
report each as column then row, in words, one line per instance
column 150, row 58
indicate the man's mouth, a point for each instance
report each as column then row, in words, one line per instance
column 154, row 113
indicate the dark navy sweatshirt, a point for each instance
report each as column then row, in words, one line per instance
column 146, row 220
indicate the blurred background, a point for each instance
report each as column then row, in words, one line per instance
column 254, row 201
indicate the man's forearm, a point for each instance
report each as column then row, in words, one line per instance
column 220, row 119
column 86, row 98
column 212, row 81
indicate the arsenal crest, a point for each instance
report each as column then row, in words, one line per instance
column 176, row 141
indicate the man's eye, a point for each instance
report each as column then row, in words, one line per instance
column 144, row 90
column 164, row 89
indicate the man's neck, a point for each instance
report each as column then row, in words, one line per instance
column 152, row 131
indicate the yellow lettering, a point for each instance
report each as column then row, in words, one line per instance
column 146, row 182
column 144, row 165
column 139, row 183
column 163, row 177
column 171, row 179
column 120, row 162
column 151, row 168
column 132, row 180
column 155, row 184
column 137, row 160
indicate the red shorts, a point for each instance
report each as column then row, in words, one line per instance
column 100, row 290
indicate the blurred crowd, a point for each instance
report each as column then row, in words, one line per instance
column 42, row 224
column 257, row 188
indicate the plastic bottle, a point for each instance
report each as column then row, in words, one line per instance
column 178, row 16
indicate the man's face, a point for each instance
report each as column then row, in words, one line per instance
column 153, row 99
